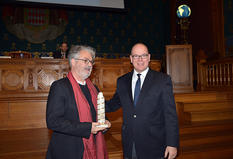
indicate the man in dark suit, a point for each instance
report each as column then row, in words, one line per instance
column 150, row 125
column 71, row 111
column 63, row 52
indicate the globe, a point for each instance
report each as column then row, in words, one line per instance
column 183, row 11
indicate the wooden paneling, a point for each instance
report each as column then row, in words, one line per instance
column 22, row 114
column 24, row 144
column 3, row 115
column 24, row 86
column 27, row 115
column 36, row 75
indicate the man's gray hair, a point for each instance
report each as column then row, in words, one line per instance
column 74, row 52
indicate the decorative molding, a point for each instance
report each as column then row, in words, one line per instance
column 36, row 75
column 12, row 80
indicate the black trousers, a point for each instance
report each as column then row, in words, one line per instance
column 134, row 155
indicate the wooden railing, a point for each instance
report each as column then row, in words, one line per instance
column 215, row 74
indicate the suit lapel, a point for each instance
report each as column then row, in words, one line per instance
column 129, row 85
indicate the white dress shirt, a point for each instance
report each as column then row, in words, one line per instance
column 135, row 78
column 80, row 82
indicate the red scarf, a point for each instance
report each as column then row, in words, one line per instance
column 92, row 149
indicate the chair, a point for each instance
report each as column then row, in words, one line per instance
column 20, row 54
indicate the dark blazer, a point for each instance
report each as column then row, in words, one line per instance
column 152, row 124
column 57, row 55
column 62, row 117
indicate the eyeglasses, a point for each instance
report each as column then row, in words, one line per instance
column 87, row 61
column 144, row 56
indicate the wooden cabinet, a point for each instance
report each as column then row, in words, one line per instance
column 180, row 67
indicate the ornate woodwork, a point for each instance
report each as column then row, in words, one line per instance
column 24, row 86
column 36, row 75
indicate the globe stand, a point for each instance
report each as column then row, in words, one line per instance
column 183, row 12
column 184, row 27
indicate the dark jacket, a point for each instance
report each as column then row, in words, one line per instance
column 152, row 124
column 63, row 118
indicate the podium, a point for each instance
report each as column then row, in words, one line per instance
column 180, row 67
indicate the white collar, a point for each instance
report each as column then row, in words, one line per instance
column 143, row 73
column 82, row 83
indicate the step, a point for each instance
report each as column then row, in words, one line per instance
column 200, row 140
column 222, row 152
column 200, row 116
column 208, row 126
column 206, row 138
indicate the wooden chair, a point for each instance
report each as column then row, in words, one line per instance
column 20, row 54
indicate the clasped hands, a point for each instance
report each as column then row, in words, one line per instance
column 95, row 129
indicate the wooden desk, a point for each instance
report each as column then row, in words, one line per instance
column 24, row 86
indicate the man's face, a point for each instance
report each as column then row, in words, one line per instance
column 81, row 67
column 64, row 47
column 140, row 57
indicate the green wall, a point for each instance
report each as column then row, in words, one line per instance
column 228, row 26
column 112, row 33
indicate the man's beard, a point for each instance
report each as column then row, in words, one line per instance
column 86, row 75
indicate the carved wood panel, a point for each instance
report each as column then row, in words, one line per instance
column 13, row 79
column 36, row 75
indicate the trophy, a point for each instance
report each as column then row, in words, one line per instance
column 101, row 110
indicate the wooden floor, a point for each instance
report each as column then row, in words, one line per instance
column 32, row 144
column 196, row 142
column 212, row 140
column 205, row 125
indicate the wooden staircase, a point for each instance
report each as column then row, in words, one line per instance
column 212, row 140
column 206, row 125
